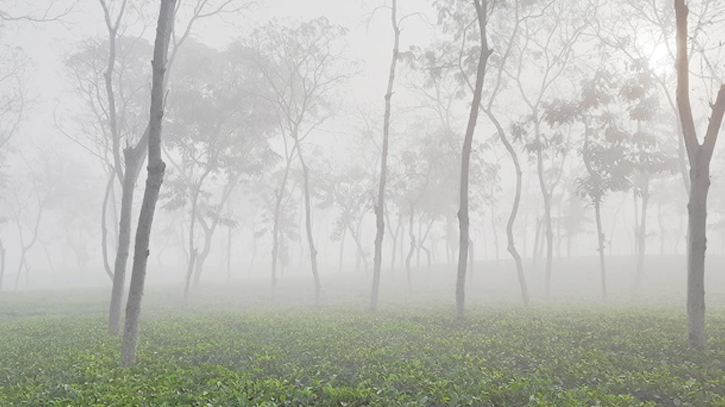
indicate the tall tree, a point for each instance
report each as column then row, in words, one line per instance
column 302, row 64
column 380, row 206
column 481, row 8
column 699, row 156
column 218, row 129
column 544, row 52
column 134, row 155
column 156, row 168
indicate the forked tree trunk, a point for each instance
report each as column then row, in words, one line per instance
column 131, row 157
column 380, row 207
column 156, row 168
column 463, row 220
column 360, row 251
column 394, row 250
column 699, row 157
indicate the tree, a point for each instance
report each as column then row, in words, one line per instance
column 156, row 167
column 29, row 205
column 481, row 8
column 133, row 155
column 699, row 156
column 302, row 64
column 218, row 127
column 544, row 51
column 380, row 206
column 351, row 191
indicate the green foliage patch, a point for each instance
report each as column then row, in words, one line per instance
column 551, row 356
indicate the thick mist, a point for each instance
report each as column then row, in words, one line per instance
column 481, row 169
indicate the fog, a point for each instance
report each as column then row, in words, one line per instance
column 386, row 156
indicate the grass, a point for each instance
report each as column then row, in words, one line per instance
column 553, row 355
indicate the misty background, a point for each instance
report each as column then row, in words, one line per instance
column 226, row 148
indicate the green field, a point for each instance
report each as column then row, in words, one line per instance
column 54, row 351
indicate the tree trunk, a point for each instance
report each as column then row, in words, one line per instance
column 156, row 168
column 547, row 207
column 380, row 207
column 642, row 234
column 342, row 247
column 2, row 264
column 537, row 239
column 132, row 163
column 495, row 232
column 699, row 157
column 463, row 220
column 600, row 247
column 308, row 220
column 275, row 224
column 412, row 247
column 193, row 252
column 511, row 247
column 104, row 228
column 697, row 212
column 360, row 257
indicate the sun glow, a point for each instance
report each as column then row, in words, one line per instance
column 659, row 57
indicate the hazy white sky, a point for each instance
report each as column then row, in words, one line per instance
column 370, row 41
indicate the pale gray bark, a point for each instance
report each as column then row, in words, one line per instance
column 699, row 157
column 156, row 168
column 380, row 207
column 463, row 220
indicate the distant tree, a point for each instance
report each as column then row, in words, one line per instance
column 303, row 64
column 380, row 206
column 350, row 190
column 218, row 129
column 699, row 156
column 481, row 13
column 543, row 52
column 29, row 203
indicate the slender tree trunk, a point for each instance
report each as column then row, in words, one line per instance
column 463, row 220
column 104, row 228
column 342, row 247
column 642, row 234
column 547, row 206
column 192, row 236
column 380, row 207
column 537, row 235
column 275, row 224
column 229, row 245
column 394, row 250
column 156, row 168
column 661, row 228
column 471, row 257
column 2, row 264
column 412, row 246
column 131, row 157
column 495, row 232
column 600, row 247
column 511, row 247
column 308, row 221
